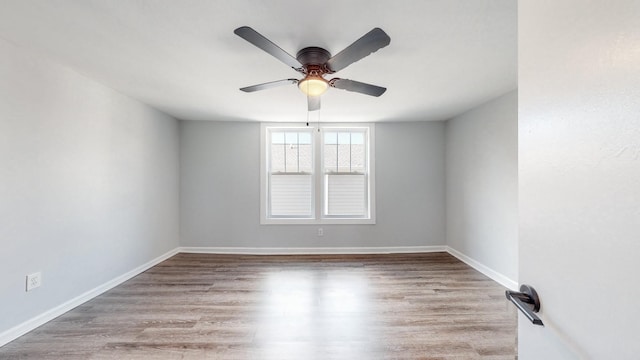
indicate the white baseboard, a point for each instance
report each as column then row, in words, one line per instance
column 313, row 251
column 19, row 330
column 492, row 274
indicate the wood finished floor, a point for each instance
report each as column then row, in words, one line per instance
column 201, row 306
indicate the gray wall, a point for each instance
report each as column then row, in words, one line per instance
column 579, row 159
column 482, row 184
column 220, row 184
column 88, row 184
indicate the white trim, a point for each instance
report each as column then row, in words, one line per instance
column 487, row 271
column 314, row 251
column 321, row 221
column 29, row 325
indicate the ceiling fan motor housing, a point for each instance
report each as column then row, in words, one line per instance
column 314, row 59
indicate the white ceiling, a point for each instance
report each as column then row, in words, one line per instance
column 182, row 57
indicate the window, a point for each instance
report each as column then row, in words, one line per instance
column 312, row 175
column 291, row 174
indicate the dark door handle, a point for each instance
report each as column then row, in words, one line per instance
column 527, row 301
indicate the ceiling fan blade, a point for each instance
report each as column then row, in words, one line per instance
column 265, row 44
column 313, row 103
column 269, row 85
column 356, row 86
column 367, row 44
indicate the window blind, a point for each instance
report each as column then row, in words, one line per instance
column 291, row 195
column 346, row 195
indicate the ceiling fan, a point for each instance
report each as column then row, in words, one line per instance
column 314, row 62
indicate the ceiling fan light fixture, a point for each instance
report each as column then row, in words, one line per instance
column 313, row 85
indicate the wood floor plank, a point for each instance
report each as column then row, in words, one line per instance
column 203, row 306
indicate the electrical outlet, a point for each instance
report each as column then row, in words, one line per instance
column 34, row 280
column 320, row 232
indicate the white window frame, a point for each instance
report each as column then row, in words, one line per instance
column 318, row 174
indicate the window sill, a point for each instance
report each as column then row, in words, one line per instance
column 317, row 221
